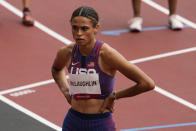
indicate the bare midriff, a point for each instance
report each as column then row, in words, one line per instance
column 88, row 106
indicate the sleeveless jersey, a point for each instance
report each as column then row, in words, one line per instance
column 85, row 76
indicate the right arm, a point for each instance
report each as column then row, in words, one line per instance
column 61, row 61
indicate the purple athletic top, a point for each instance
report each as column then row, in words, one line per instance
column 91, row 62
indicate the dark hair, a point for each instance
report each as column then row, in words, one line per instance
column 87, row 12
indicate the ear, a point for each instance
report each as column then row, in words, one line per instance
column 96, row 29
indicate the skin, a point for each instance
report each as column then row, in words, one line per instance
column 110, row 61
column 136, row 4
column 26, row 3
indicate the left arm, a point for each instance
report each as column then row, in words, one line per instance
column 114, row 61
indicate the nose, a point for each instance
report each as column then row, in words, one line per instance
column 79, row 32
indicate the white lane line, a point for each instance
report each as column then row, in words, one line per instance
column 37, row 24
column 166, row 11
column 174, row 97
column 22, row 93
column 52, row 33
column 33, row 85
column 178, row 52
column 27, row 86
column 159, row 90
column 11, row 8
column 61, row 38
column 30, row 113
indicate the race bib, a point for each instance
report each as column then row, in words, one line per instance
column 84, row 84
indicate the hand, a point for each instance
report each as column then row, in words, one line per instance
column 108, row 104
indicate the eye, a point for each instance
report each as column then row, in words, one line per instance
column 74, row 27
column 85, row 28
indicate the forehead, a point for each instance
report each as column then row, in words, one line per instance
column 80, row 20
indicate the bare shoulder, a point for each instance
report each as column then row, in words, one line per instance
column 107, row 50
column 66, row 50
column 109, row 59
column 112, row 57
column 63, row 56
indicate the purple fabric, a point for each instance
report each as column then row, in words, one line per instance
column 91, row 62
column 76, row 121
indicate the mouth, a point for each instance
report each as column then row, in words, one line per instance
column 79, row 39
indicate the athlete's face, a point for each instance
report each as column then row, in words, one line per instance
column 83, row 30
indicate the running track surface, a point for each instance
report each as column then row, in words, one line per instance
column 29, row 98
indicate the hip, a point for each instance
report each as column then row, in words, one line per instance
column 75, row 121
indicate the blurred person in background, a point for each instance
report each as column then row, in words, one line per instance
column 27, row 18
column 135, row 24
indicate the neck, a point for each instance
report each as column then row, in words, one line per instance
column 86, row 49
